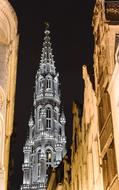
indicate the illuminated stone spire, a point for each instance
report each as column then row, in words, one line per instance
column 47, row 60
column 45, row 145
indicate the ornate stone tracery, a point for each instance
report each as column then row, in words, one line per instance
column 45, row 146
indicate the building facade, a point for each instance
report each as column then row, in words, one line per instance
column 106, row 29
column 114, row 98
column 86, row 171
column 60, row 179
column 95, row 142
column 45, row 145
column 8, row 67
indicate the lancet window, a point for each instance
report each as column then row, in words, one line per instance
column 48, row 155
column 40, row 84
column 39, row 170
column 40, row 112
column 49, row 83
column 48, row 118
column 39, row 116
column 39, row 154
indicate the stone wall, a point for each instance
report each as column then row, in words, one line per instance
column 8, row 67
column 105, row 33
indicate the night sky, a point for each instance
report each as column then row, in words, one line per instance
column 72, row 43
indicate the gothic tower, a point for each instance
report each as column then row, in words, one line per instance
column 45, row 146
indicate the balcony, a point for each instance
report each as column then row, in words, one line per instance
column 38, row 186
column 112, row 10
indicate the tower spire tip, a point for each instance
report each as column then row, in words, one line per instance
column 47, row 25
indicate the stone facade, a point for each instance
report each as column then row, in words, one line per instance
column 8, row 66
column 106, row 29
column 95, row 140
column 86, row 171
column 114, row 97
column 76, row 149
column 99, row 154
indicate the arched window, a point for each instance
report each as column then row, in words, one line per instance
column 41, row 82
column 48, row 118
column 48, row 155
column 39, row 170
column 40, row 112
column 39, row 154
column 39, row 117
column 49, row 83
column 60, row 131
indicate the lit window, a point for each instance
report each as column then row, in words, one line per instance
column 48, row 155
column 49, row 83
column 48, row 118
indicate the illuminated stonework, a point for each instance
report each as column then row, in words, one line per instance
column 56, row 182
column 8, row 66
column 95, row 141
column 45, row 146
column 106, row 42
column 86, row 171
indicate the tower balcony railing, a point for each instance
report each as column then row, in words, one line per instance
column 49, row 96
column 40, row 186
column 25, row 186
column 44, row 134
column 112, row 10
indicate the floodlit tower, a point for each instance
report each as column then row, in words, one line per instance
column 45, row 145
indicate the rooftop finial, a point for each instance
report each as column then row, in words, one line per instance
column 47, row 25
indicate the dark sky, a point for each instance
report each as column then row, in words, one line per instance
column 72, row 43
